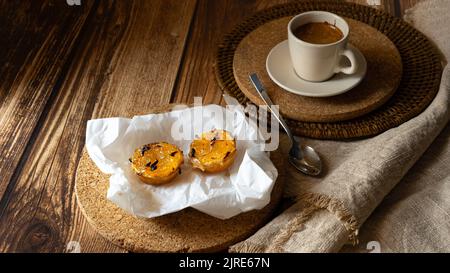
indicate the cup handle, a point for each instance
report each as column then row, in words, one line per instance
column 350, row 54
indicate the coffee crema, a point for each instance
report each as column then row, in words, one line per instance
column 318, row 33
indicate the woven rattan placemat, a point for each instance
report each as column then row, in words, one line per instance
column 419, row 84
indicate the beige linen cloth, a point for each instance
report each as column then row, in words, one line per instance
column 414, row 217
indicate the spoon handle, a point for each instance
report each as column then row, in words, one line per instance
column 265, row 97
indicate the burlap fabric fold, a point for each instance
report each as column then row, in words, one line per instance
column 415, row 216
column 330, row 210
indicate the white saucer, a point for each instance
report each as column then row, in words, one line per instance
column 279, row 67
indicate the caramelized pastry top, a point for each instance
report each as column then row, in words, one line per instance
column 157, row 163
column 213, row 151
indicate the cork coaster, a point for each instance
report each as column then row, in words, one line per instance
column 384, row 70
column 185, row 231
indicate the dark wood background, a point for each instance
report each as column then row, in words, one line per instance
column 62, row 65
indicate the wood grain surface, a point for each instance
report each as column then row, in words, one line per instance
column 62, row 65
column 34, row 50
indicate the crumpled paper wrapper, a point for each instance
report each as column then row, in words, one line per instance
column 245, row 186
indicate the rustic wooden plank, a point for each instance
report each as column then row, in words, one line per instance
column 34, row 48
column 128, row 62
column 151, row 82
column 214, row 18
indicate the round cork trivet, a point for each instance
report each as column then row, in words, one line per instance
column 384, row 70
column 185, row 231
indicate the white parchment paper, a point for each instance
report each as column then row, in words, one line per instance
column 245, row 186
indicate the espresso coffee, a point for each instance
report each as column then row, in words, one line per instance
column 318, row 33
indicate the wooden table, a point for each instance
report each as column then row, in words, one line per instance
column 62, row 65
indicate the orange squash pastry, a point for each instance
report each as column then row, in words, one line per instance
column 157, row 163
column 213, row 151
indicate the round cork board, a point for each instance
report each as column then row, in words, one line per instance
column 185, row 231
column 384, row 70
column 421, row 76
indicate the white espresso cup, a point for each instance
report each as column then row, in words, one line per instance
column 319, row 62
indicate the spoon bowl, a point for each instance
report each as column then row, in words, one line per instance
column 309, row 163
column 304, row 158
